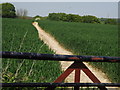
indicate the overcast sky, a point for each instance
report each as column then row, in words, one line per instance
column 99, row 9
column 60, row 0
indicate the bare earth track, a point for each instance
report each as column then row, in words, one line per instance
column 55, row 46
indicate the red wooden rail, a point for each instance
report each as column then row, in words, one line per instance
column 78, row 64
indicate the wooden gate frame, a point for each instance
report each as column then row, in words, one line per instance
column 78, row 64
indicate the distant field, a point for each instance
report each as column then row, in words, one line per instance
column 88, row 39
column 20, row 36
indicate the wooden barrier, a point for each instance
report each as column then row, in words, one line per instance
column 78, row 65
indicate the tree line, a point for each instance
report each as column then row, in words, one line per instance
column 73, row 18
column 78, row 18
column 8, row 11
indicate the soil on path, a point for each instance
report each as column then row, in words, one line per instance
column 58, row 49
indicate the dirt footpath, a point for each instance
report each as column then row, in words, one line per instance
column 55, row 46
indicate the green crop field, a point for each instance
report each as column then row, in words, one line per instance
column 88, row 39
column 20, row 36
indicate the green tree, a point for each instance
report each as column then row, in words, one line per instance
column 74, row 18
column 37, row 16
column 90, row 19
column 8, row 10
column 53, row 16
column 111, row 21
column 57, row 16
column 64, row 17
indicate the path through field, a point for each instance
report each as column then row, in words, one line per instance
column 58, row 49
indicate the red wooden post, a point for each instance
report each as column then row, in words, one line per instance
column 77, row 78
column 77, row 75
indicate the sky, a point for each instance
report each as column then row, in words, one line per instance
column 98, row 9
column 59, row 0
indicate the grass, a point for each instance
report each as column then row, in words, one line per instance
column 88, row 39
column 20, row 36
